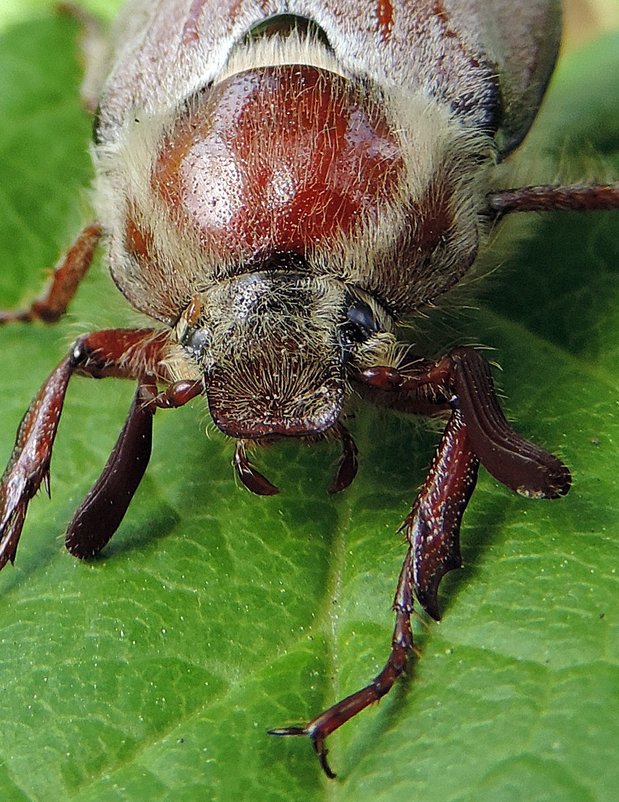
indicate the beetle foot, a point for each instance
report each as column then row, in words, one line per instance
column 15, row 316
column 13, row 508
column 17, row 488
column 318, row 742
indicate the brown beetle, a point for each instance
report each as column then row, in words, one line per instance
column 278, row 191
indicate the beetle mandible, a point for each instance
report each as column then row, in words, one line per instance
column 278, row 186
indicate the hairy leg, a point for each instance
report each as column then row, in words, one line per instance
column 124, row 353
column 67, row 275
column 477, row 432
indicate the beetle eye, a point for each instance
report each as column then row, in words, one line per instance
column 195, row 342
column 360, row 325
column 362, row 316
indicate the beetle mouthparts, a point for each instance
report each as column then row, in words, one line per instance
column 260, row 485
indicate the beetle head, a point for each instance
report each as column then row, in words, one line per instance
column 275, row 347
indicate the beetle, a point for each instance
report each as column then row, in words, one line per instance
column 279, row 186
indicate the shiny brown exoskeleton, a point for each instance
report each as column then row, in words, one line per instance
column 278, row 191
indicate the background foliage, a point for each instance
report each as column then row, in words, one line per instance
column 153, row 672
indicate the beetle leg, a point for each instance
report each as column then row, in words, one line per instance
column 177, row 394
column 549, row 198
column 510, row 458
column 115, row 352
column 432, row 530
column 52, row 304
column 29, row 463
column 101, row 512
column 433, row 525
column 476, row 431
column 320, row 727
column 462, row 380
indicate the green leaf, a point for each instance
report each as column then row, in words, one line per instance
column 153, row 672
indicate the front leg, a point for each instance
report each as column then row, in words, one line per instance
column 136, row 354
column 461, row 381
column 432, row 530
column 477, row 432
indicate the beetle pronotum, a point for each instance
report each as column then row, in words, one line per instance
column 278, row 186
